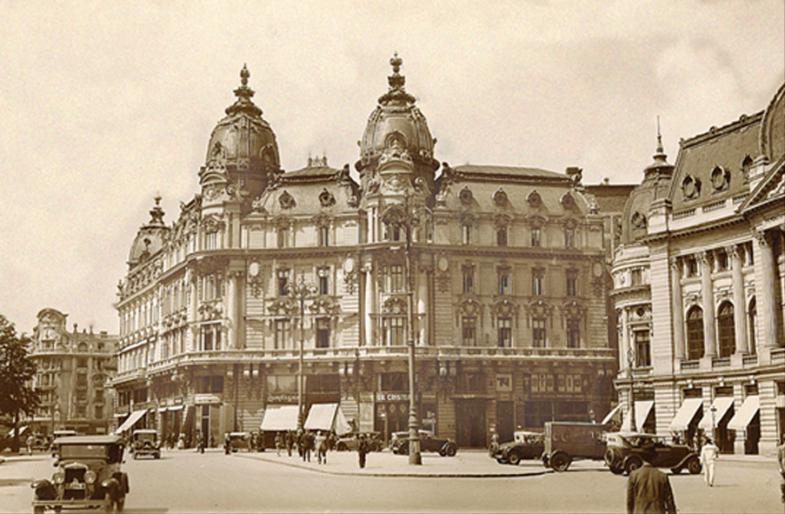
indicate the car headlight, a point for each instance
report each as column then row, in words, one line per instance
column 90, row 476
column 58, row 477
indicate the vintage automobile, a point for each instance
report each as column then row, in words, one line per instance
column 58, row 434
column 350, row 442
column 526, row 445
column 88, row 476
column 623, row 454
column 234, row 441
column 568, row 440
column 428, row 443
column 145, row 441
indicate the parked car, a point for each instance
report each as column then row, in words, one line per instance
column 145, row 442
column 88, row 476
column 428, row 443
column 58, row 434
column 350, row 442
column 526, row 445
column 235, row 441
column 567, row 440
column 623, row 454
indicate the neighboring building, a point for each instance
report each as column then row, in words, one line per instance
column 699, row 282
column 73, row 374
column 506, row 300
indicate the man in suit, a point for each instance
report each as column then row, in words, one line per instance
column 648, row 489
column 781, row 463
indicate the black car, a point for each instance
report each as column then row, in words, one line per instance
column 527, row 445
column 350, row 442
column 624, row 454
column 428, row 443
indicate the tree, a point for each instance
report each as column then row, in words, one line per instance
column 17, row 369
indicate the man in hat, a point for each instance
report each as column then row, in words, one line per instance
column 709, row 454
column 648, row 488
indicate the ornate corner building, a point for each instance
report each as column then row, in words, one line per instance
column 74, row 370
column 699, row 284
column 498, row 275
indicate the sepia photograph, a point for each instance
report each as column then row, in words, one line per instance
column 398, row 256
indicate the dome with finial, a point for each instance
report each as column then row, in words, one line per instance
column 243, row 142
column 150, row 237
column 656, row 184
column 396, row 120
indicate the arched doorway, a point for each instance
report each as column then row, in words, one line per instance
column 726, row 330
column 695, row 333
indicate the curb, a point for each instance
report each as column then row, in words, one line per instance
column 401, row 474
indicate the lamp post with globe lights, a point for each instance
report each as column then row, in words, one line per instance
column 631, row 407
column 299, row 292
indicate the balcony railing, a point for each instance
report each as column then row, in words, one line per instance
column 750, row 360
column 689, row 365
column 778, row 356
column 720, row 362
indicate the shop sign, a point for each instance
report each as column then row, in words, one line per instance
column 392, row 397
column 281, row 398
column 206, row 399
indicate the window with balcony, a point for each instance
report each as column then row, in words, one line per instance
column 538, row 333
column 726, row 331
column 322, row 332
column 283, row 282
column 572, row 283
column 642, row 348
column 573, row 333
column 501, row 236
column 211, row 241
column 281, row 333
column 468, row 278
column 392, row 232
column 538, row 279
column 210, row 337
column 504, row 332
column 691, row 265
column 536, row 237
column 695, row 333
column 636, row 277
column 392, row 331
column 469, row 330
column 504, row 281
column 721, row 261
column 569, row 237
column 396, row 278
column 324, row 281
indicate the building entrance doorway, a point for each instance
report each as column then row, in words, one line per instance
column 505, row 422
column 752, row 436
column 470, row 423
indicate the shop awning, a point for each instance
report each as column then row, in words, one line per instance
column 22, row 430
column 161, row 409
column 744, row 415
column 175, row 408
column 642, row 411
column 721, row 405
column 685, row 414
column 132, row 419
column 328, row 417
column 279, row 417
column 616, row 411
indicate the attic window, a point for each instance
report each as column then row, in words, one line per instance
column 720, row 179
column 534, row 199
column 691, row 187
column 466, row 196
column 638, row 221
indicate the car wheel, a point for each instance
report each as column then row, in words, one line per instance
column 514, row 459
column 442, row 452
column 632, row 464
column 675, row 471
column 560, row 461
column 501, row 461
column 452, row 450
column 612, row 458
column 694, row 466
column 157, row 455
column 616, row 470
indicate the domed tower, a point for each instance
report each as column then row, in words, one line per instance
column 150, row 237
column 242, row 151
column 396, row 141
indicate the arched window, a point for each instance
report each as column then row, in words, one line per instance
column 501, row 236
column 695, row 333
column 725, row 329
column 752, row 318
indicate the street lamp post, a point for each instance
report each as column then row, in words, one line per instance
column 631, row 408
column 299, row 291
column 410, row 221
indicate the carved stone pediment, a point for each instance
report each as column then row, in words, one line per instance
column 325, row 305
column 469, row 305
column 394, row 305
column 286, row 200
column 210, row 311
column 283, row 307
column 213, row 223
column 573, row 309
column 503, row 307
column 502, row 220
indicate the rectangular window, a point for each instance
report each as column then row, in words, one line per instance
column 281, row 234
column 572, row 283
column 692, row 266
column 396, row 278
column 569, row 237
column 392, row 232
column 536, row 236
column 324, row 235
column 538, row 332
column 642, row 349
column 721, row 258
column 469, row 330
column 322, row 332
column 468, row 279
column 504, row 326
column 501, row 236
column 503, row 279
column 281, row 333
column 466, row 234
column 392, row 329
column 636, row 277
column 324, row 281
column 211, row 241
column 538, row 276
column 573, row 333
column 283, row 282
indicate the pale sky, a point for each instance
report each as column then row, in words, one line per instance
column 104, row 104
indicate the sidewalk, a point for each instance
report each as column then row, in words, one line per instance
column 386, row 464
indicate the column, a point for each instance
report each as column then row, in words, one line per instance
column 422, row 313
column 780, row 269
column 709, row 339
column 368, row 320
column 678, row 310
column 231, row 310
column 192, row 280
column 739, row 307
column 767, row 299
column 623, row 341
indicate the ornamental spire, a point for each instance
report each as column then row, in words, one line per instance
column 157, row 213
column 397, row 83
column 244, row 95
column 659, row 152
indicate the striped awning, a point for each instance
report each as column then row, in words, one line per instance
column 642, row 412
column 746, row 412
column 686, row 413
column 131, row 421
column 721, row 405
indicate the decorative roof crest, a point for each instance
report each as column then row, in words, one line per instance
column 244, row 95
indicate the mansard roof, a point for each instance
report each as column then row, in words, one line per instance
column 485, row 171
column 772, row 186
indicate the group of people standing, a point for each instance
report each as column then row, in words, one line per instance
column 306, row 442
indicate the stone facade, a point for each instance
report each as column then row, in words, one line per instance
column 74, row 370
column 699, row 283
column 498, row 275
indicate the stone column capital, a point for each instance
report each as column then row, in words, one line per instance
column 760, row 236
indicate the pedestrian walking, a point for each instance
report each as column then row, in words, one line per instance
column 494, row 444
column 29, row 444
column 308, row 446
column 300, row 441
column 289, row 442
column 320, row 443
column 227, row 443
column 709, row 454
column 199, row 442
column 278, row 443
column 648, row 489
column 781, row 462
column 362, row 450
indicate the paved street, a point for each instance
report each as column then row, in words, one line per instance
column 213, row 482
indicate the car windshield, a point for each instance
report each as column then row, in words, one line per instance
column 145, row 437
column 82, row 451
